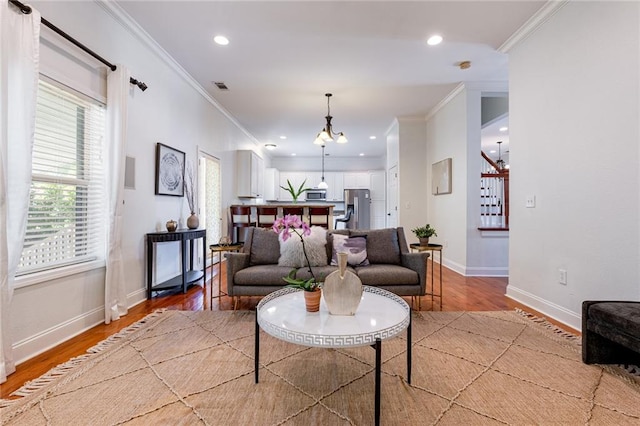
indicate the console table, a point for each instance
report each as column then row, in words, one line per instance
column 186, row 277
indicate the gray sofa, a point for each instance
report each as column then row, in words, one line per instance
column 254, row 271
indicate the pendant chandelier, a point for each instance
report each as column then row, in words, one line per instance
column 327, row 134
column 323, row 184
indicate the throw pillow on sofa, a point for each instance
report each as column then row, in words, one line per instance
column 382, row 246
column 355, row 247
column 265, row 247
column 292, row 254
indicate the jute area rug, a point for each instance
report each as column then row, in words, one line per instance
column 183, row 368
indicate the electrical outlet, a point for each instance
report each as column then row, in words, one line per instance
column 530, row 202
column 562, row 276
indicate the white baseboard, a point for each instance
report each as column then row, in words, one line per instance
column 484, row 271
column 487, row 271
column 52, row 337
column 558, row 313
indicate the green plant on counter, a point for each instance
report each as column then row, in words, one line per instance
column 291, row 190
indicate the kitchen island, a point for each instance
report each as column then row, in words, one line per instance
column 281, row 206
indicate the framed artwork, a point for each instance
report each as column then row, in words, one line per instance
column 441, row 177
column 169, row 171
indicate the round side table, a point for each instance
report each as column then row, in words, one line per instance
column 433, row 248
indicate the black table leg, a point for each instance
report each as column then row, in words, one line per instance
column 378, row 348
column 409, row 350
column 257, row 349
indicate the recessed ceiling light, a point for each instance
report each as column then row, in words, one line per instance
column 503, row 129
column 283, row 137
column 221, row 40
column 293, row 154
column 372, row 137
column 270, row 146
column 493, row 151
column 434, row 40
column 362, row 154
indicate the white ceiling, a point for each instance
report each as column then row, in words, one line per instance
column 372, row 55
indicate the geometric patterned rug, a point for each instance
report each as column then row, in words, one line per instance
column 196, row 367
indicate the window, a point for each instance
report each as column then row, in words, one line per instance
column 66, row 218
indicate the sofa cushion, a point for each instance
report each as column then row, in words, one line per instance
column 377, row 275
column 265, row 247
column 355, row 247
column 320, row 272
column 261, row 275
column 617, row 315
column 382, row 245
column 293, row 255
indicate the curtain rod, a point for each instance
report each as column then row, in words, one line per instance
column 27, row 10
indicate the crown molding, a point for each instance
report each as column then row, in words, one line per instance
column 123, row 18
column 540, row 17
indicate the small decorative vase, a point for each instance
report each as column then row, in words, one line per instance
column 172, row 225
column 424, row 241
column 192, row 221
column 342, row 289
column 312, row 300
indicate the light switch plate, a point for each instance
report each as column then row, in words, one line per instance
column 530, row 201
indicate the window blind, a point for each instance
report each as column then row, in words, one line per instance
column 66, row 218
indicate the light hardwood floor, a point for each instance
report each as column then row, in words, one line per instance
column 460, row 294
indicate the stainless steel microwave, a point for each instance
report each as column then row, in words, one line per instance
column 316, row 194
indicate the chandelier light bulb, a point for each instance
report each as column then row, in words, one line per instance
column 342, row 138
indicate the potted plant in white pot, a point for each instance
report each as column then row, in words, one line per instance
column 424, row 233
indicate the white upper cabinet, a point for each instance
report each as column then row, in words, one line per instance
column 335, row 182
column 271, row 184
column 357, row 180
column 250, row 171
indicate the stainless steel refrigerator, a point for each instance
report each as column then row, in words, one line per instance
column 358, row 203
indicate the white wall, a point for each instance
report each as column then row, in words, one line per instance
column 454, row 131
column 575, row 145
column 171, row 111
column 447, row 138
column 412, row 175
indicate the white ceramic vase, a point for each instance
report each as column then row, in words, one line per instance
column 342, row 290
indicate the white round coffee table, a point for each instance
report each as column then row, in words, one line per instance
column 380, row 315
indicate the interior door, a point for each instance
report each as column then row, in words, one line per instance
column 210, row 199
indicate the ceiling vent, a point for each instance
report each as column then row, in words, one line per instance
column 220, row 85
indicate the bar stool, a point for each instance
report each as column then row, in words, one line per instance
column 240, row 218
column 319, row 216
column 344, row 219
column 267, row 216
column 298, row 211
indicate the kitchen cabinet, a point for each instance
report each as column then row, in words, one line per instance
column 271, row 184
column 250, row 171
column 357, row 180
column 335, row 181
column 378, row 204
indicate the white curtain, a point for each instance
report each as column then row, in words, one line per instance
column 115, row 295
column 20, row 35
